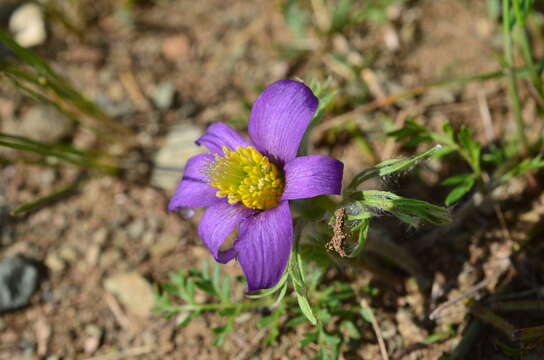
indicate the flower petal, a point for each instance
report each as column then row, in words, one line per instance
column 280, row 117
column 218, row 222
column 264, row 246
column 219, row 135
column 309, row 176
column 193, row 190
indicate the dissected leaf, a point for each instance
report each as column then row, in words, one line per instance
column 464, row 185
column 388, row 167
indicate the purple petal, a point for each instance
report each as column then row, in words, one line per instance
column 280, row 117
column 193, row 190
column 264, row 246
column 218, row 222
column 219, row 135
column 309, row 176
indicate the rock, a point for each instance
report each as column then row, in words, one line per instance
column 18, row 281
column 163, row 95
column 109, row 258
column 133, row 291
column 175, row 47
column 170, row 160
column 27, row 25
column 45, row 124
column 94, row 339
column 164, row 245
column 68, row 253
column 42, row 331
column 136, row 229
column 93, row 253
column 6, row 226
column 54, row 262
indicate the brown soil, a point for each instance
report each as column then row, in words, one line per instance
column 218, row 55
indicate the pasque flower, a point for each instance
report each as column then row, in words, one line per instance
column 247, row 185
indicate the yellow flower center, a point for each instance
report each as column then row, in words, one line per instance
column 246, row 175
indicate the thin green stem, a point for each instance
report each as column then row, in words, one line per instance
column 526, row 49
column 242, row 306
column 25, row 208
column 511, row 77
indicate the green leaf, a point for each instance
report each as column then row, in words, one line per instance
column 367, row 313
column 205, row 269
column 216, row 276
column 448, row 131
column 524, row 167
column 268, row 292
column 341, row 16
column 471, row 147
column 324, row 316
column 294, row 322
column 226, row 289
column 410, row 211
column 206, row 286
column 55, row 196
column 350, row 329
column 362, row 230
column 465, row 184
column 62, row 152
column 388, row 167
column 281, row 295
column 294, row 268
column 52, row 86
column 457, row 179
column 309, row 338
column 439, row 336
column 330, row 339
column 411, row 134
column 295, row 18
column 185, row 320
column 306, row 308
column 190, row 290
column 265, row 321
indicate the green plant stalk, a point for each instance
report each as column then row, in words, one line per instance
column 526, row 49
column 519, row 306
column 45, row 78
column 76, row 160
column 25, row 208
column 489, row 317
column 511, row 78
column 528, row 333
column 446, row 141
column 219, row 306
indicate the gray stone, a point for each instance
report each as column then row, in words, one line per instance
column 54, row 262
column 164, row 245
column 18, row 281
column 94, row 338
column 163, row 95
column 133, row 291
column 170, row 160
column 45, row 124
column 27, row 25
column 6, row 226
column 136, row 229
column 110, row 258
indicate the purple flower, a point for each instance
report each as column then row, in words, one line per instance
column 246, row 185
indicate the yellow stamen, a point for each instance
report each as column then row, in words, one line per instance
column 246, row 175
